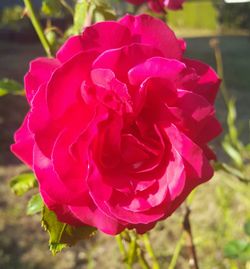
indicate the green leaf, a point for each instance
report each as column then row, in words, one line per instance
column 51, row 8
column 23, row 183
column 10, row 86
column 35, row 204
column 81, row 9
column 233, row 134
column 237, row 249
column 62, row 234
column 233, row 153
column 247, row 227
column 103, row 11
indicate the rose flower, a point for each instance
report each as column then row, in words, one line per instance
column 118, row 125
column 160, row 5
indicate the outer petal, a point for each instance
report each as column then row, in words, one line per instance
column 40, row 72
column 156, row 67
column 24, row 143
column 62, row 211
column 122, row 59
column 146, row 29
column 64, row 87
column 90, row 214
column 196, row 163
column 51, row 184
column 100, row 37
column 173, row 4
column 208, row 83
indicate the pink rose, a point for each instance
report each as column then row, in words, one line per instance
column 118, row 125
column 160, row 5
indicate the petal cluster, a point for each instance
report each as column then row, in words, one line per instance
column 118, row 125
column 160, row 5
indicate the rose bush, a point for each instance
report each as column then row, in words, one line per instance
column 118, row 125
column 159, row 5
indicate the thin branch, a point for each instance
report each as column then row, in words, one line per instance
column 38, row 28
column 193, row 261
column 67, row 6
column 177, row 252
column 150, row 251
column 123, row 251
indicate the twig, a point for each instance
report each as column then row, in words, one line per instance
column 142, row 261
column 193, row 261
column 67, row 6
column 122, row 251
column 38, row 28
column 177, row 251
column 150, row 251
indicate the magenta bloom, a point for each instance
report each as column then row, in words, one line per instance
column 160, row 5
column 118, row 125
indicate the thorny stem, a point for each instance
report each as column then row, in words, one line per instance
column 38, row 28
column 193, row 261
column 150, row 251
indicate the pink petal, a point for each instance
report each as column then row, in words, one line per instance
column 51, row 184
column 156, row 67
column 146, row 29
column 122, row 59
column 24, row 143
column 196, row 163
column 91, row 215
column 62, row 211
column 70, row 48
column 64, row 87
column 173, row 4
column 208, row 83
column 40, row 72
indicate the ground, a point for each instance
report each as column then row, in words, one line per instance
column 219, row 208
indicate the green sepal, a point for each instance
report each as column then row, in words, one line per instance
column 9, row 86
column 61, row 234
column 23, row 183
column 35, row 204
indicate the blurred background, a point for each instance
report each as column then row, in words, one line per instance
column 216, row 33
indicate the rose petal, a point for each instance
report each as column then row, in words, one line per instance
column 208, row 83
column 24, row 143
column 64, row 87
column 146, row 29
column 40, row 72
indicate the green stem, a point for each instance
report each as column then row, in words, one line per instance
column 150, row 251
column 141, row 259
column 67, row 6
column 220, row 69
column 193, row 260
column 177, row 251
column 38, row 28
column 123, row 251
column 132, row 249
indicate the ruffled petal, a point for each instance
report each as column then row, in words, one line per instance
column 64, row 87
column 50, row 183
column 208, row 83
column 40, row 72
column 197, row 166
column 24, row 143
column 148, row 30
column 91, row 215
column 121, row 60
